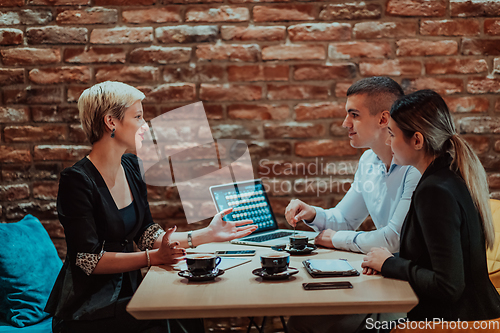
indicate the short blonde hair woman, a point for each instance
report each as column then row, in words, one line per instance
column 102, row 204
column 449, row 224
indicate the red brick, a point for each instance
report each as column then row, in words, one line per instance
column 124, row 2
column 367, row 30
column 261, row 150
column 187, row 34
column 494, row 181
column 416, row 47
column 479, row 125
column 319, row 167
column 450, row 28
column 35, row 17
column 324, row 148
column 14, row 154
column 321, row 110
column 73, row 93
column 58, row 2
column 49, row 95
column 474, row 8
column 293, row 130
column 349, row 50
column 296, row 92
column 231, row 131
column 11, row 3
column 95, row 55
column 324, row 72
column 94, row 15
column 190, row 1
column 76, row 133
column 456, row 66
column 258, row 111
column 288, row 12
column 444, row 86
column 56, row 35
column 246, row 53
column 245, row 33
column 41, row 211
column 258, row 73
column 492, row 27
column 172, row 93
column 350, row 11
column 198, row 73
column 497, row 146
column 59, row 152
column 14, row 114
column 153, row 15
column 233, row 92
column 14, row 192
column 496, row 66
column 294, row 52
column 160, row 55
column 395, row 67
column 318, row 186
column 497, row 105
column 467, row 104
column 336, row 129
column 127, row 73
column 480, row 144
column 47, row 191
column 319, row 32
column 483, row 85
column 9, row 18
column 54, row 114
column 121, row 35
column 79, row 74
column 30, row 56
column 477, row 46
column 217, row 14
column 341, row 88
column 52, row 133
column 11, row 76
column 416, row 7
column 10, row 36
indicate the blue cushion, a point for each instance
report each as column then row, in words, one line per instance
column 45, row 326
column 29, row 266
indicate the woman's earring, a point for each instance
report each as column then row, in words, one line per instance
column 113, row 133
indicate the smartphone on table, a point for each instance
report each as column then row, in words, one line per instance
column 237, row 253
column 327, row 285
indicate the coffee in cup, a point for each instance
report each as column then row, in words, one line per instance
column 273, row 263
column 299, row 242
column 202, row 264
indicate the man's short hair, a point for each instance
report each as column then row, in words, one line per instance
column 382, row 92
column 102, row 99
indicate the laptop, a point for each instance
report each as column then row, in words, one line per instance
column 249, row 201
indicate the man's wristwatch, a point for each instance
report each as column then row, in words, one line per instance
column 190, row 240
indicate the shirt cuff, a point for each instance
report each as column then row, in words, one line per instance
column 319, row 221
column 345, row 240
column 149, row 237
column 88, row 261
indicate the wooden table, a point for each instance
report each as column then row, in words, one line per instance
column 239, row 293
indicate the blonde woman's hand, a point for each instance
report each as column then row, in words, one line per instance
column 168, row 253
column 374, row 260
column 223, row 231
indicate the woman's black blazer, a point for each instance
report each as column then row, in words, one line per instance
column 443, row 253
column 92, row 222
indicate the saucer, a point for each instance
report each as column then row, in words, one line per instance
column 278, row 276
column 205, row 277
column 308, row 249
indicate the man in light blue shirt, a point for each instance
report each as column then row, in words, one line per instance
column 381, row 188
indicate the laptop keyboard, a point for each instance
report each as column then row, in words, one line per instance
column 264, row 238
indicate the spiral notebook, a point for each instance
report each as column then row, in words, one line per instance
column 329, row 267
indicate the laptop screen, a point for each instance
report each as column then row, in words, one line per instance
column 249, row 202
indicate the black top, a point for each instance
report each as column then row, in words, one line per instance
column 128, row 217
column 443, row 253
column 92, row 222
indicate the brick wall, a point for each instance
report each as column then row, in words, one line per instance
column 271, row 73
